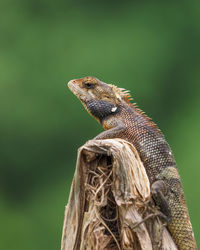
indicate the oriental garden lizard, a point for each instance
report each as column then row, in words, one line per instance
column 112, row 108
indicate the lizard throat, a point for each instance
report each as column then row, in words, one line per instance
column 101, row 109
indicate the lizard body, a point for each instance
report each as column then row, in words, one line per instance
column 112, row 108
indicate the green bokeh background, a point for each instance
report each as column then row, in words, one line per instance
column 149, row 47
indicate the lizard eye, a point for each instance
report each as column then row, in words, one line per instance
column 106, row 96
column 88, row 85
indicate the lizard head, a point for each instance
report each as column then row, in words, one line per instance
column 100, row 99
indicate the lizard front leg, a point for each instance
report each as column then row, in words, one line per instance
column 114, row 129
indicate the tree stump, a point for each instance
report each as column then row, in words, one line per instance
column 110, row 204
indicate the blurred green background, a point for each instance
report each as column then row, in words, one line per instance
column 149, row 47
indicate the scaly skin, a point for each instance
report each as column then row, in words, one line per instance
column 111, row 107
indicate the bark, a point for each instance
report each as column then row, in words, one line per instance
column 110, row 205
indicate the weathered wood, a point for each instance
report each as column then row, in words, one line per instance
column 110, row 204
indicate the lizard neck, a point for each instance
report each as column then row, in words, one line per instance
column 147, row 139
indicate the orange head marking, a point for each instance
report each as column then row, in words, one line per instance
column 89, row 87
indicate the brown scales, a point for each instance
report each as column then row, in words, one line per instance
column 125, row 94
column 111, row 107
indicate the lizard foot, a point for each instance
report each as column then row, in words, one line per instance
column 159, row 191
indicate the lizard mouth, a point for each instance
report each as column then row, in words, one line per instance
column 76, row 90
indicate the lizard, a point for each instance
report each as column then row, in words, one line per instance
column 112, row 108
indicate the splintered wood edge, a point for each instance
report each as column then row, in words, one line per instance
column 123, row 154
